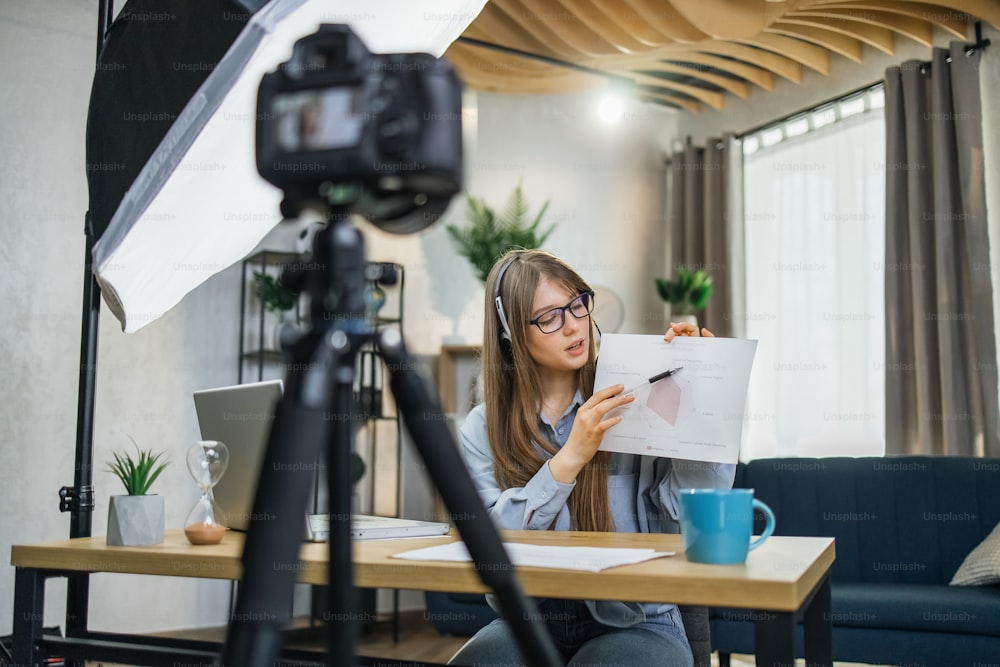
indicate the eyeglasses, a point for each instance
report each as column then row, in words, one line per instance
column 553, row 320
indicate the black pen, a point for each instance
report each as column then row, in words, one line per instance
column 655, row 378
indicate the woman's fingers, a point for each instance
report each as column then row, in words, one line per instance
column 685, row 329
column 595, row 409
column 609, row 398
column 606, row 393
column 593, row 413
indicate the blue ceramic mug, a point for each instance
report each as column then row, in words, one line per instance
column 716, row 524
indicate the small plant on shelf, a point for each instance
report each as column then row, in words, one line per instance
column 688, row 293
column 272, row 293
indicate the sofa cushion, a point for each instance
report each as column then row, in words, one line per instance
column 931, row 608
column 982, row 566
column 908, row 519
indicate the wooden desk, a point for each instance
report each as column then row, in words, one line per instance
column 787, row 577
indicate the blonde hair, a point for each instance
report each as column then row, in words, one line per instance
column 511, row 387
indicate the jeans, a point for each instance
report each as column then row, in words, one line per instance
column 582, row 641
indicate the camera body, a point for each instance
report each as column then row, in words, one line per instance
column 339, row 125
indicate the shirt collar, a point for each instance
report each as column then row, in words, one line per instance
column 570, row 409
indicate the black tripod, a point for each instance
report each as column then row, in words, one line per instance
column 315, row 412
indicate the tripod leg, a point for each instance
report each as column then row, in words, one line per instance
column 342, row 595
column 426, row 424
column 302, row 427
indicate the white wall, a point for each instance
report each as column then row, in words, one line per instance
column 604, row 184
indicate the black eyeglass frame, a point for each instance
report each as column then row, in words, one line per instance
column 562, row 312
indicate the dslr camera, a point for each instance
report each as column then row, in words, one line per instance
column 374, row 134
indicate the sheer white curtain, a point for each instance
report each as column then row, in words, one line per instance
column 814, row 192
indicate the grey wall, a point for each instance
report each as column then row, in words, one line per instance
column 144, row 381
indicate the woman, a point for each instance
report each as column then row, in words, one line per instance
column 532, row 449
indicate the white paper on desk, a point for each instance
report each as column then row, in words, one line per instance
column 589, row 559
column 695, row 414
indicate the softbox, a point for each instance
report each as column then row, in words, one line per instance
column 175, row 196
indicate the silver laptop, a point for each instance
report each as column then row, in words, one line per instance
column 367, row 527
column 241, row 416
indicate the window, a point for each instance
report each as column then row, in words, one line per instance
column 814, row 220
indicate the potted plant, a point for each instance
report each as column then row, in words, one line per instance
column 137, row 518
column 276, row 298
column 489, row 235
column 687, row 294
column 272, row 293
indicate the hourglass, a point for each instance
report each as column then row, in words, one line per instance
column 207, row 461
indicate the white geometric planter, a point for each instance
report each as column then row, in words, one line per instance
column 135, row 521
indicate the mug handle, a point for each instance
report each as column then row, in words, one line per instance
column 768, row 529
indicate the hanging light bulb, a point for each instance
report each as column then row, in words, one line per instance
column 611, row 109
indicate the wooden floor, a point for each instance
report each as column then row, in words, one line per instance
column 417, row 641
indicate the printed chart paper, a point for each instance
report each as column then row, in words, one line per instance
column 696, row 413
column 588, row 559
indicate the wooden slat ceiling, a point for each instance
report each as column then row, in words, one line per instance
column 691, row 53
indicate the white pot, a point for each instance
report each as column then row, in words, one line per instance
column 135, row 521
column 285, row 319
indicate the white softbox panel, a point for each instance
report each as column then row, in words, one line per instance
column 198, row 205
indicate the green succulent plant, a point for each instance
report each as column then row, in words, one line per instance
column 272, row 293
column 137, row 474
column 688, row 293
column 489, row 235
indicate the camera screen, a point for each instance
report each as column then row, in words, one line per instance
column 318, row 120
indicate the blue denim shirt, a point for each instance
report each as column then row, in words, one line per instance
column 642, row 491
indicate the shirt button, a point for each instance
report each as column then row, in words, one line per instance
column 561, row 431
column 544, row 494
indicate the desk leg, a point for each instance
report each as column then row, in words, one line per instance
column 29, row 608
column 818, row 627
column 774, row 643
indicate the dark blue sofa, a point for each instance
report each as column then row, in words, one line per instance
column 903, row 525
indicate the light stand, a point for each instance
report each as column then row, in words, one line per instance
column 316, row 412
column 79, row 498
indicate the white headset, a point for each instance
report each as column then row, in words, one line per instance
column 498, row 302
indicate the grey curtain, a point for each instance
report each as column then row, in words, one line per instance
column 941, row 372
column 698, row 224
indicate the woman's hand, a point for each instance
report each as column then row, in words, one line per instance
column 685, row 329
column 592, row 420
